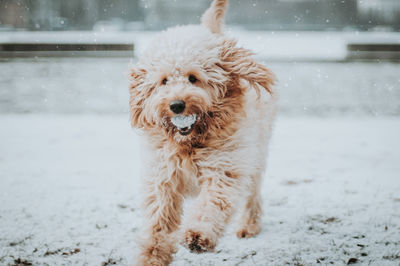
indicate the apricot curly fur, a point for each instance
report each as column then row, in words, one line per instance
column 222, row 160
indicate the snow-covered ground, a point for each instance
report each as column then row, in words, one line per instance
column 99, row 85
column 70, row 194
column 70, row 164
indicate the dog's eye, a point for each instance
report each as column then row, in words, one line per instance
column 164, row 81
column 192, row 78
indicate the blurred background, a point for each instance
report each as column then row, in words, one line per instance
column 158, row 14
column 331, row 57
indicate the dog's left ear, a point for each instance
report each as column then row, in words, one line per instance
column 137, row 97
column 240, row 63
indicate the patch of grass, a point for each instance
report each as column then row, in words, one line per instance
column 22, row 241
column 352, row 261
column 111, row 261
column 62, row 251
column 21, row 262
column 392, row 257
column 330, row 220
column 52, row 252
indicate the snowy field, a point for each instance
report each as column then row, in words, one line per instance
column 70, row 164
column 70, row 193
column 90, row 85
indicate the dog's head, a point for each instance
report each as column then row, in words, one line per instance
column 190, row 81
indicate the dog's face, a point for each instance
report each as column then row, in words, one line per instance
column 190, row 82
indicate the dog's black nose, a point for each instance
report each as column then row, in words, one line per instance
column 177, row 106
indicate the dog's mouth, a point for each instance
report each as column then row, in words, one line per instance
column 184, row 123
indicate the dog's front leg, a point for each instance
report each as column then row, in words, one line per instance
column 163, row 207
column 212, row 211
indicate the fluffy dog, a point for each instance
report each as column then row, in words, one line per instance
column 206, row 108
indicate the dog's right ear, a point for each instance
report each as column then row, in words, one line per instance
column 240, row 63
column 213, row 18
column 137, row 97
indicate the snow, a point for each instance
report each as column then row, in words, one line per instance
column 70, row 193
column 99, row 85
column 64, row 37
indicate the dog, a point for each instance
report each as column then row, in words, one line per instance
column 206, row 109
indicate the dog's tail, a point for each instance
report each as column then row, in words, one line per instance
column 213, row 18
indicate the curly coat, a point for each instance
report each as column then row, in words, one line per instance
column 222, row 160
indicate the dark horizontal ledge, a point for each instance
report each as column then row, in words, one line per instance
column 54, row 47
column 374, row 47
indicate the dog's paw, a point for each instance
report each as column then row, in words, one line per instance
column 248, row 231
column 198, row 242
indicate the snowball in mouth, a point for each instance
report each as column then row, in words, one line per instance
column 184, row 121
